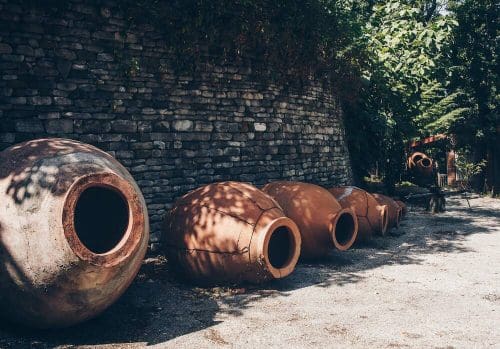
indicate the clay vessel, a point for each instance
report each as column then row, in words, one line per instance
column 404, row 208
column 230, row 232
column 372, row 217
column 73, row 232
column 322, row 222
column 420, row 164
column 414, row 158
column 394, row 212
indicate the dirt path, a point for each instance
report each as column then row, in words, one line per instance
column 434, row 283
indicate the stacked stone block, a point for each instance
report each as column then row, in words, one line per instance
column 83, row 72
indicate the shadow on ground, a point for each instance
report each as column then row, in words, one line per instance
column 155, row 309
column 158, row 308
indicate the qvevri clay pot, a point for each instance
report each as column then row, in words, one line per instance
column 73, row 232
column 230, row 232
column 420, row 163
column 395, row 212
column 404, row 208
column 414, row 158
column 372, row 216
column 322, row 222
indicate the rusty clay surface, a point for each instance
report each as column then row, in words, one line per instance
column 317, row 215
column 404, row 208
column 48, row 277
column 229, row 233
column 395, row 212
column 420, row 164
column 372, row 216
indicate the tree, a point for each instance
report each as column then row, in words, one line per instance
column 405, row 45
column 474, row 70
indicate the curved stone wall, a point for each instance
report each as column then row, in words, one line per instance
column 84, row 73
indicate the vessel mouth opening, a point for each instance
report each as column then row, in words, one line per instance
column 417, row 158
column 281, row 247
column 426, row 162
column 345, row 229
column 101, row 218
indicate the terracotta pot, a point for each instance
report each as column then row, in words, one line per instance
column 404, row 209
column 73, row 232
column 372, row 217
column 414, row 158
column 395, row 212
column 230, row 232
column 420, row 164
column 322, row 222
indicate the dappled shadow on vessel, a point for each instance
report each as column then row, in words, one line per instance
column 409, row 244
column 149, row 312
column 158, row 307
column 45, row 164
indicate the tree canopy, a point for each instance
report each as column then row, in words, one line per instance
column 433, row 67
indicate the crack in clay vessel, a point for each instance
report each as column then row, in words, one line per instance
column 322, row 222
column 372, row 217
column 395, row 212
column 73, row 232
column 230, row 232
column 404, row 208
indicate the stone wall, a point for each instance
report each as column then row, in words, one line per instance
column 84, row 73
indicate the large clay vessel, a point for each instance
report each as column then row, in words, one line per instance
column 73, row 232
column 372, row 217
column 404, row 208
column 414, row 158
column 395, row 212
column 420, row 164
column 230, row 232
column 322, row 222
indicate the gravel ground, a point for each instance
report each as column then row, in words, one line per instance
column 433, row 283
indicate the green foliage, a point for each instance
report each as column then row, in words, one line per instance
column 133, row 67
column 472, row 77
column 468, row 169
column 432, row 68
column 406, row 46
column 474, row 68
column 440, row 109
column 295, row 39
